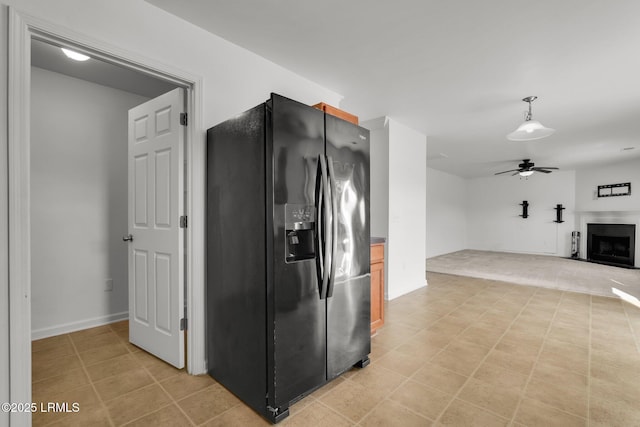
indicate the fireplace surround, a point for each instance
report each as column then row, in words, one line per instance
column 612, row 244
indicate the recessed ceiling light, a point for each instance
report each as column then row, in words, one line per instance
column 628, row 148
column 74, row 55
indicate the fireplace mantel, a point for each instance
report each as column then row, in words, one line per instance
column 612, row 213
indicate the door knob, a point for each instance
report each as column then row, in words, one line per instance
column 127, row 238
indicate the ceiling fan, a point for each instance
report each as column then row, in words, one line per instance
column 526, row 168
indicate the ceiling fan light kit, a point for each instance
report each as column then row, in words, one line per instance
column 531, row 129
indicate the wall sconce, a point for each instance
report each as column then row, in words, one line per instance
column 525, row 209
column 559, row 210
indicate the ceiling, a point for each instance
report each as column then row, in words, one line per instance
column 457, row 70
column 50, row 57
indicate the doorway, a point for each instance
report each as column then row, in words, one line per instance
column 79, row 188
column 22, row 29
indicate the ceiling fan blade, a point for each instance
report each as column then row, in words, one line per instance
column 541, row 170
column 545, row 167
column 512, row 170
column 514, row 174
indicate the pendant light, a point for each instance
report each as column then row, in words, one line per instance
column 530, row 129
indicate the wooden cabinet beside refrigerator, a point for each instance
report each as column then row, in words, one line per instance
column 377, row 286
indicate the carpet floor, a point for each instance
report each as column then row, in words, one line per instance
column 540, row 270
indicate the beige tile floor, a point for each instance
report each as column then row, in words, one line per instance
column 460, row 352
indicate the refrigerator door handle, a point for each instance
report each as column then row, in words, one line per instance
column 319, row 241
column 333, row 230
column 323, row 235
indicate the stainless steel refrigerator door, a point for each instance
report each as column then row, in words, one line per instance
column 298, row 314
column 349, row 306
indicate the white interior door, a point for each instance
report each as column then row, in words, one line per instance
column 156, row 193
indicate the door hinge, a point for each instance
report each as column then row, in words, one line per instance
column 183, row 221
column 183, row 119
column 183, row 324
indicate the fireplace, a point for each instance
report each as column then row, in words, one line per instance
column 612, row 244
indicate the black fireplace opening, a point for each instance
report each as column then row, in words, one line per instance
column 612, row 244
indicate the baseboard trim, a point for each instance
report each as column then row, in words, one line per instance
column 65, row 328
column 393, row 295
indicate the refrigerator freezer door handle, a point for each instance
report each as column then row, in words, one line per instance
column 327, row 236
column 333, row 230
column 319, row 229
column 324, row 232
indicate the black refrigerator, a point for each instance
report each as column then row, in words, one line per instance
column 288, row 279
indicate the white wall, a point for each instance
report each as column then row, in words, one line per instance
column 608, row 210
column 398, row 208
column 587, row 181
column 78, row 202
column 407, row 209
column 398, row 202
column 234, row 78
column 4, row 254
column 446, row 213
column 379, row 172
column 379, row 190
column 492, row 221
column 493, row 213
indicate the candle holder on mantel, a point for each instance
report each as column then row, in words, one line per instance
column 559, row 210
column 525, row 209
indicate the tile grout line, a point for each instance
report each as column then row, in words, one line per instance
column 93, row 386
column 152, row 412
column 481, row 363
column 386, row 396
column 557, row 320
column 527, row 304
column 155, row 380
column 70, row 341
column 317, row 400
column 470, row 376
column 49, row 357
column 634, row 334
column 437, row 420
column 174, row 401
column 409, row 378
column 544, row 340
column 353, row 423
column 535, row 363
column 147, row 413
column 132, row 354
column 589, row 361
column 447, row 345
column 240, row 402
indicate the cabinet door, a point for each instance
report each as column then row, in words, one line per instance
column 377, row 296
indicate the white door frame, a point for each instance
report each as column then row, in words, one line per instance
column 22, row 28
